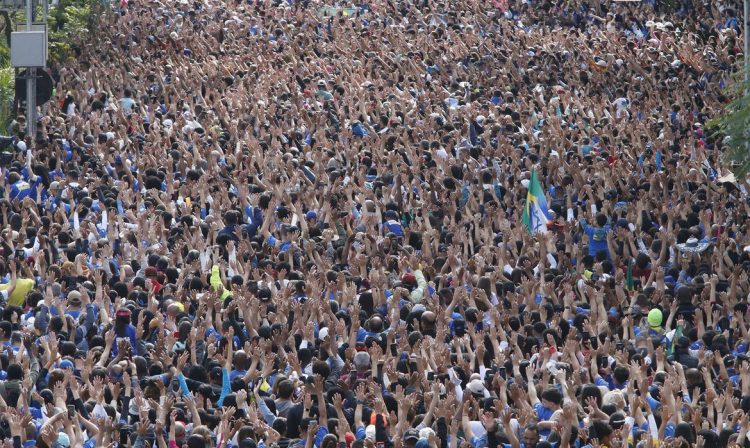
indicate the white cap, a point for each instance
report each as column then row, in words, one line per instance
column 525, row 183
column 425, row 433
column 323, row 333
column 476, row 387
column 370, row 432
column 21, row 145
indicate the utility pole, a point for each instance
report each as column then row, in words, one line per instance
column 31, row 80
column 746, row 50
column 745, row 55
column 28, row 49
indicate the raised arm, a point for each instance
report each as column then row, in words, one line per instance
column 530, row 387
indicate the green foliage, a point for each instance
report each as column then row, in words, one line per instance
column 7, row 92
column 735, row 124
column 68, row 22
column 4, row 54
column 60, row 51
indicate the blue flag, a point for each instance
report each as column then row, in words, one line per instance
column 658, row 160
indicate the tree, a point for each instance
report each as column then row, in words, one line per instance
column 733, row 125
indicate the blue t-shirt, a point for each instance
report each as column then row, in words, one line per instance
column 609, row 382
column 22, row 189
column 127, row 104
column 597, row 237
column 543, row 414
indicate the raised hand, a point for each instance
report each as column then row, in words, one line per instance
column 361, row 392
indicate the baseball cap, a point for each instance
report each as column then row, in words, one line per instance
column 66, row 364
column 411, row 434
column 409, row 278
column 63, row 441
column 476, row 387
column 74, row 298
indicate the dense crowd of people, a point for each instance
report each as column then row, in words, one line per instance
column 296, row 224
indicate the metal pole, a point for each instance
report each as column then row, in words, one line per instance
column 31, row 81
column 746, row 50
column 746, row 55
column 29, row 13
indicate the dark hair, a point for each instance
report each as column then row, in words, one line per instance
column 321, row 368
column 685, row 430
column 279, row 425
column 552, row 395
column 711, row 439
column 601, row 220
column 600, row 429
column 15, row 372
column 591, row 390
column 621, row 374
column 7, row 328
column 286, row 389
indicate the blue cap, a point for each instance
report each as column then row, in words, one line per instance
column 66, row 364
column 63, row 441
column 311, row 215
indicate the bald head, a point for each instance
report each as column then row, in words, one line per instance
column 428, row 318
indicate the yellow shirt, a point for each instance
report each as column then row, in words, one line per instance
column 18, row 296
